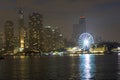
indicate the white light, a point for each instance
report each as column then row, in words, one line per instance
column 53, row 30
column 118, row 53
column 21, row 49
column 86, row 43
column 60, row 35
column 118, row 48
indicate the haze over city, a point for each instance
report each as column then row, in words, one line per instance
column 102, row 17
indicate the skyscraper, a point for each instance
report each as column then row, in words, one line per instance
column 9, row 37
column 78, row 29
column 1, row 41
column 53, row 39
column 22, row 32
column 35, row 32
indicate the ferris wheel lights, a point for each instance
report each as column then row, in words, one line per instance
column 86, row 42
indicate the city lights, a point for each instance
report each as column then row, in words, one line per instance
column 59, row 39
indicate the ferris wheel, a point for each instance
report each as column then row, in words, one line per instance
column 85, row 40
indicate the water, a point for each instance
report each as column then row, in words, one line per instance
column 84, row 67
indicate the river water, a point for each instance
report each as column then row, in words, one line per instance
column 84, row 67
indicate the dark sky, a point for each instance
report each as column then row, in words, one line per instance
column 103, row 16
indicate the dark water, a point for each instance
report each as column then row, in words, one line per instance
column 84, row 67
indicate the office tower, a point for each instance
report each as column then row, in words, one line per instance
column 58, row 41
column 9, row 37
column 78, row 29
column 22, row 32
column 82, row 24
column 53, row 39
column 35, row 32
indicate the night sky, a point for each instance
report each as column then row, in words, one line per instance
column 102, row 16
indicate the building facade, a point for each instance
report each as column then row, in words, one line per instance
column 35, row 32
column 22, row 32
column 9, row 37
column 1, row 42
column 53, row 39
column 78, row 29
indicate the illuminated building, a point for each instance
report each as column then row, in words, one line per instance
column 53, row 39
column 22, row 32
column 47, row 38
column 98, row 48
column 78, row 29
column 9, row 37
column 35, row 32
column 16, row 44
column 58, row 39
column 1, row 41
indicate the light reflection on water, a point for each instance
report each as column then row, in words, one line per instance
column 83, row 67
column 87, row 67
column 118, row 66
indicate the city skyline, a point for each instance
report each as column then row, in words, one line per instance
column 35, row 38
column 102, row 16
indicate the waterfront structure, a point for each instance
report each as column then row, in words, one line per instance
column 105, row 47
column 9, row 37
column 35, row 32
column 98, row 48
column 22, row 31
column 78, row 29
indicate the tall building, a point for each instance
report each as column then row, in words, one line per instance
column 35, row 32
column 78, row 29
column 58, row 40
column 1, row 42
column 53, row 39
column 22, row 30
column 9, row 37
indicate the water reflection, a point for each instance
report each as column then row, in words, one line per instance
column 118, row 66
column 83, row 67
column 87, row 67
column 20, row 68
